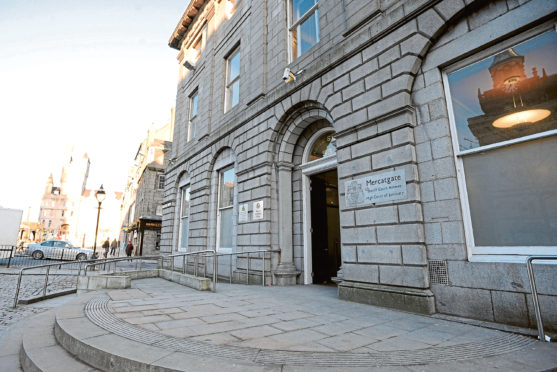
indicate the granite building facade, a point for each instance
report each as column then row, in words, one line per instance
column 363, row 139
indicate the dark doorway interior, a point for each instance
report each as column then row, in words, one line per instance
column 325, row 225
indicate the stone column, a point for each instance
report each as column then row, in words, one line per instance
column 286, row 272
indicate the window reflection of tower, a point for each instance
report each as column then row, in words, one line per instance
column 517, row 105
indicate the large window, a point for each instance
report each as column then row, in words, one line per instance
column 225, row 216
column 184, row 217
column 232, row 94
column 504, row 114
column 192, row 122
column 304, row 26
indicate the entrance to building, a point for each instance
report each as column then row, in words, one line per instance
column 325, row 226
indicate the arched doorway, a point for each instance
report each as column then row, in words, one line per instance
column 322, row 258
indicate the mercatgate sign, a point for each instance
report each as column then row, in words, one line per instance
column 378, row 188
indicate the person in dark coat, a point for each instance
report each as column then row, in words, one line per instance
column 129, row 248
column 106, row 246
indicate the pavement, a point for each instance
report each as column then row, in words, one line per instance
column 31, row 286
column 300, row 328
column 307, row 327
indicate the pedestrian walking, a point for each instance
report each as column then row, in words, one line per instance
column 113, row 247
column 106, row 246
column 129, row 248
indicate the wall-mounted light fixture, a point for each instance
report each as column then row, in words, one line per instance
column 189, row 66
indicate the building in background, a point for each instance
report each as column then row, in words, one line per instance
column 141, row 207
column 69, row 210
column 349, row 136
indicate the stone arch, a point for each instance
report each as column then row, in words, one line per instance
column 291, row 125
column 290, row 133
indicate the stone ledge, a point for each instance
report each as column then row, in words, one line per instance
column 122, row 280
column 201, row 284
column 412, row 300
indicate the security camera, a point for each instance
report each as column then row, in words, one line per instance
column 288, row 75
column 189, row 66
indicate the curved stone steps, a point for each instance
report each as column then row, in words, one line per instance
column 110, row 352
column 41, row 352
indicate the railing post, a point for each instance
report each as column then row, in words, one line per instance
column 18, row 286
column 215, row 268
column 139, row 264
column 230, row 268
column 263, row 276
column 541, row 333
column 10, row 258
column 46, row 280
column 196, row 260
column 204, row 265
column 183, row 264
column 247, row 271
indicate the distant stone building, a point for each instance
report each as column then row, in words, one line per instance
column 60, row 203
column 404, row 149
column 141, row 208
column 69, row 210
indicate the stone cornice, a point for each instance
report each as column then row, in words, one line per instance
column 185, row 22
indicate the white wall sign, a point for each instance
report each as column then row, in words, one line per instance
column 378, row 188
column 243, row 216
column 258, row 210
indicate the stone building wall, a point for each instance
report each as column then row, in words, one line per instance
column 375, row 79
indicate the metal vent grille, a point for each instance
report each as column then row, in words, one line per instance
column 438, row 273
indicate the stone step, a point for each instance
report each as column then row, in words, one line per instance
column 110, row 352
column 10, row 344
column 41, row 352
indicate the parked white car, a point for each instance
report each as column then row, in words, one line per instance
column 58, row 250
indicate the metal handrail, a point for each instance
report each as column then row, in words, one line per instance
column 184, row 256
column 248, row 253
column 541, row 334
column 104, row 261
column 47, row 266
column 248, row 266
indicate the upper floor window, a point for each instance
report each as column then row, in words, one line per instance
column 160, row 183
column 198, row 45
column 232, row 94
column 192, row 127
column 304, row 26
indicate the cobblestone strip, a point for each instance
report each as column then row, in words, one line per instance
column 98, row 312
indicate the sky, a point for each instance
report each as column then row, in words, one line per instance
column 88, row 74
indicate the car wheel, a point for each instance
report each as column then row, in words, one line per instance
column 37, row 255
column 81, row 257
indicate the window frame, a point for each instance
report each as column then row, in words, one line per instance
column 293, row 25
column 514, row 254
column 192, row 117
column 229, row 83
column 161, row 178
column 220, row 174
column 181, row 218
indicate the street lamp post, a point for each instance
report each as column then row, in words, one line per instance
column 100, row 195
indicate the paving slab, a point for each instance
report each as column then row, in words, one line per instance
column 301, row 328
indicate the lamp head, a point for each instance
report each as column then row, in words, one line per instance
column 100, row 195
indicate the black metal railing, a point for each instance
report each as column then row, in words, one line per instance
column 12, row 256
column 6, row 254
